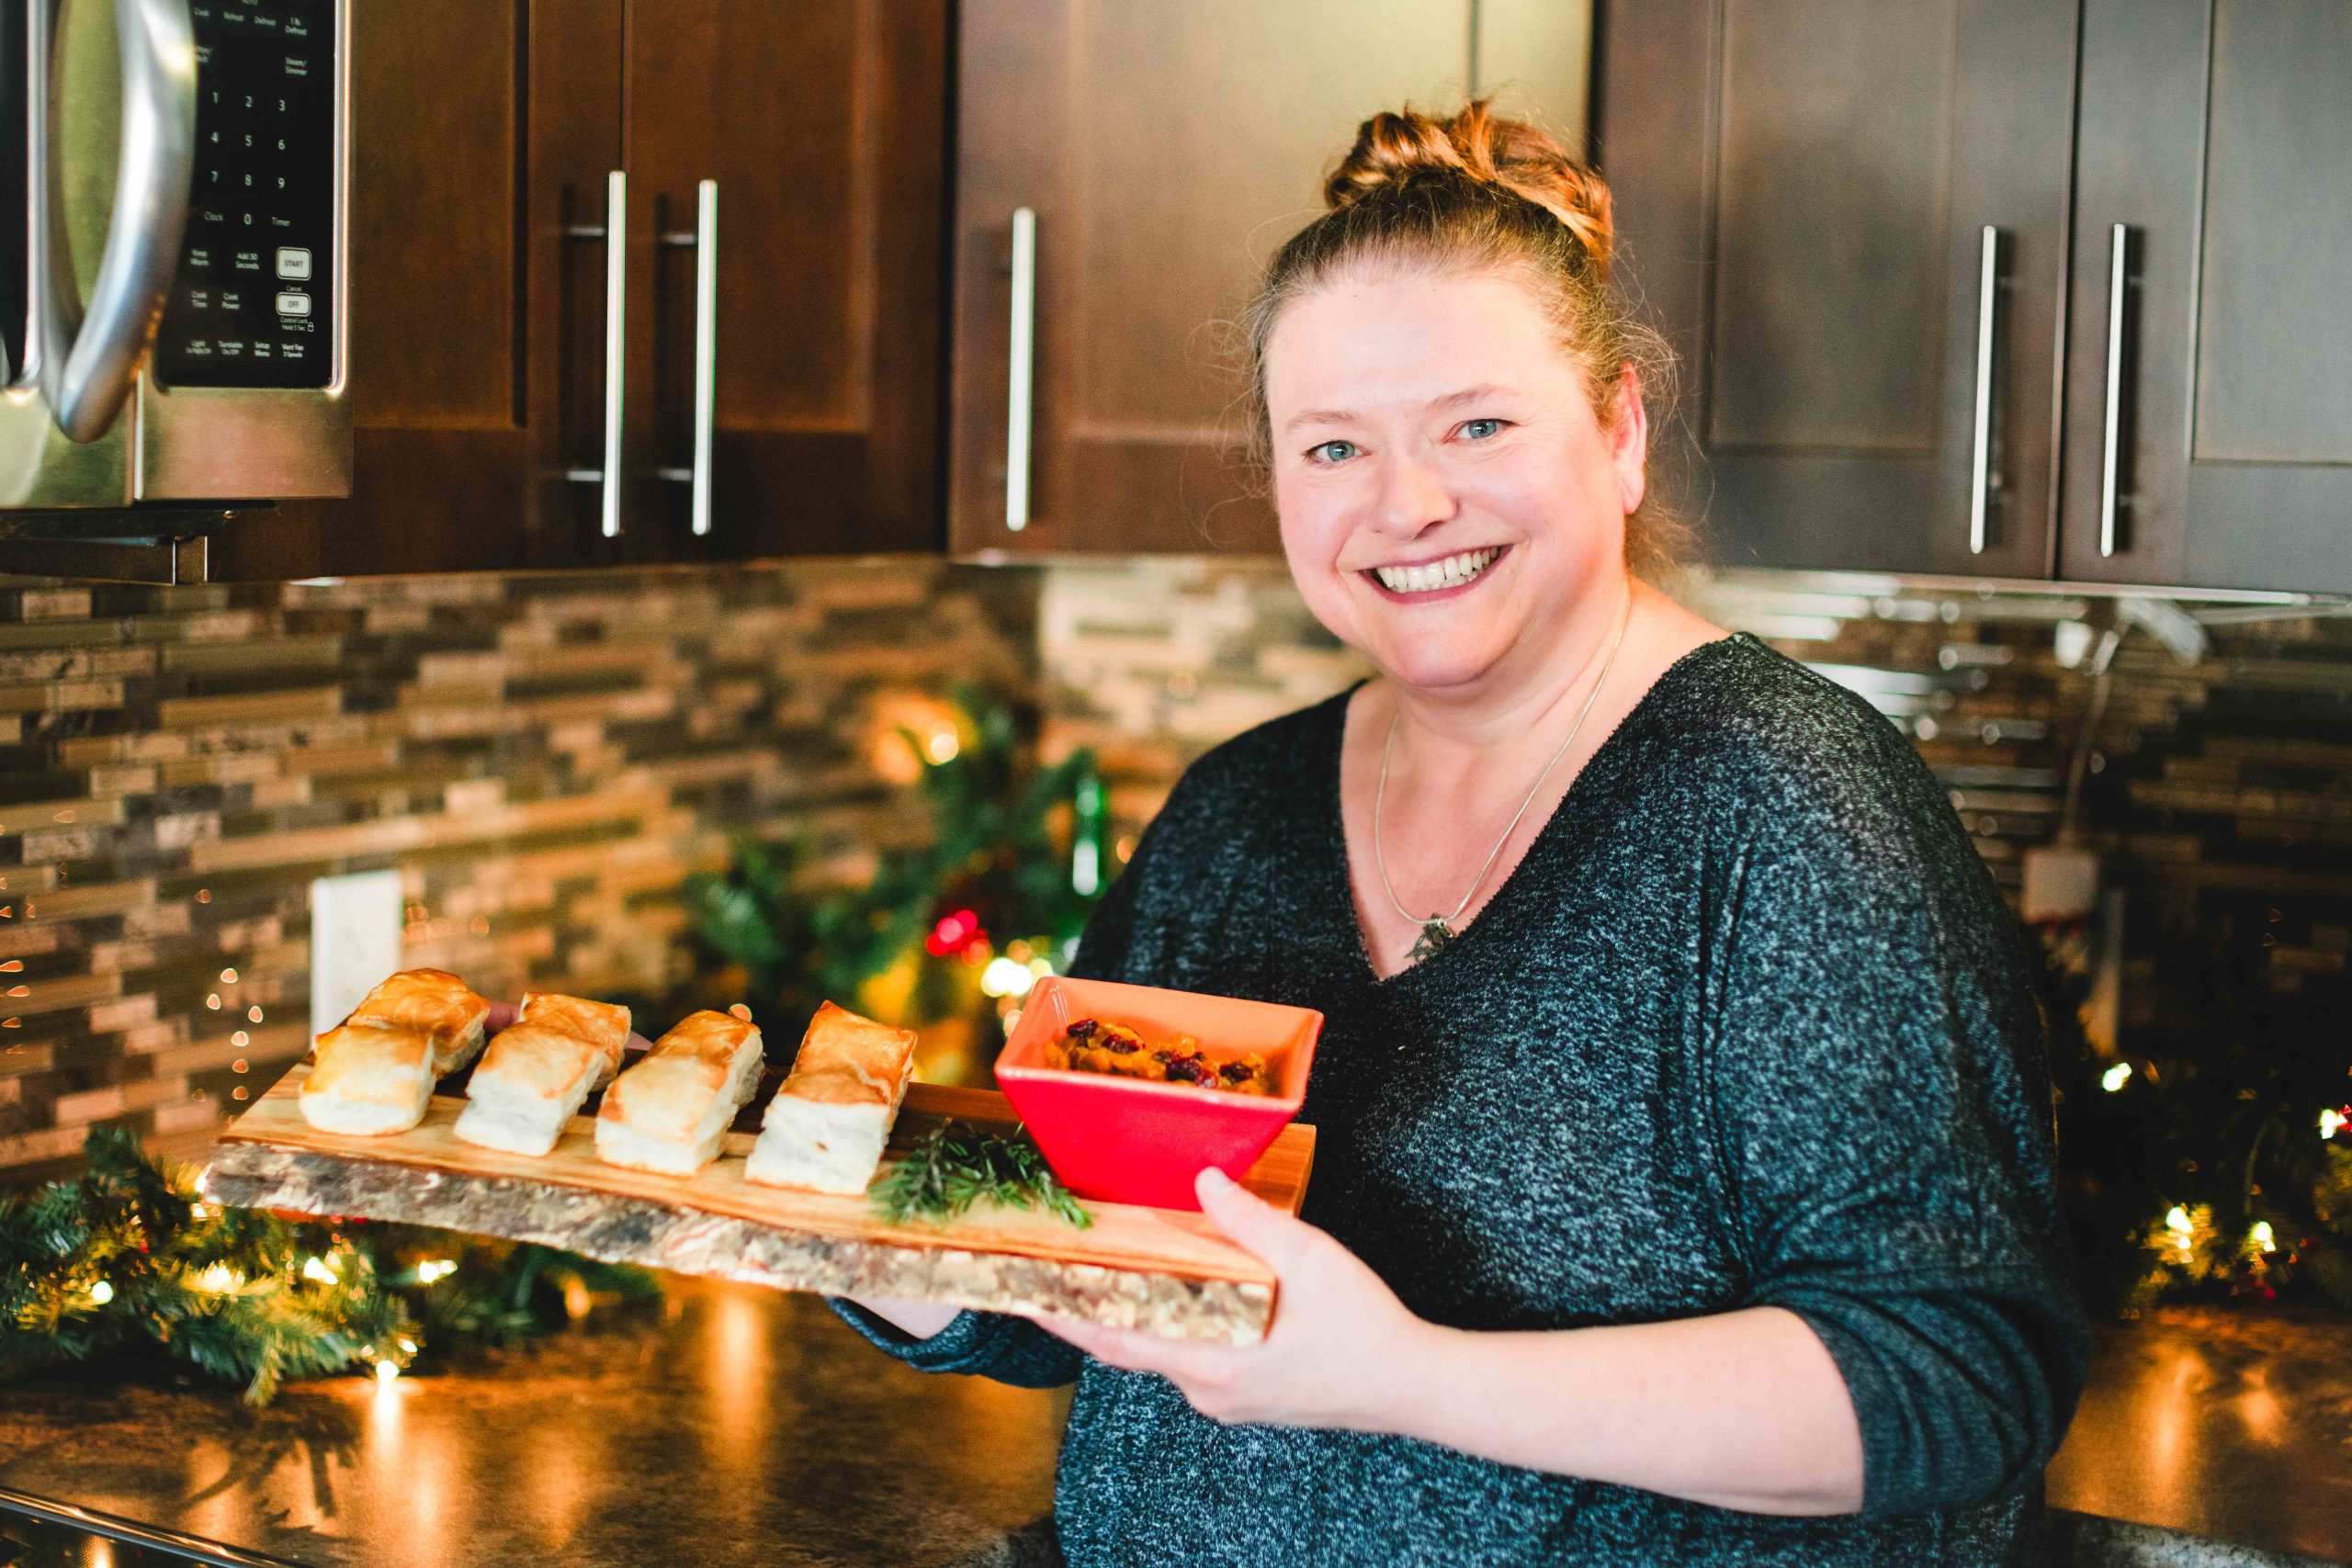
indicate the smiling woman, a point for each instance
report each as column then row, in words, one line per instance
column 1683, row 1187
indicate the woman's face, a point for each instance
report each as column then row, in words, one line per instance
column 1449, row 499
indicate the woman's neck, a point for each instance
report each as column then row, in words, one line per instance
column 1443, row 738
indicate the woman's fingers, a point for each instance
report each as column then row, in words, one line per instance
column 1181, row 1362
column 1279, row 1241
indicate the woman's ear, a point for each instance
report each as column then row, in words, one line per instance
column 1629, row 439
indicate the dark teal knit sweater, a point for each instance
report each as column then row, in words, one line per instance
column 1748, row 1025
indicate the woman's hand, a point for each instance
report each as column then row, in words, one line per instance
column 1343, row 1352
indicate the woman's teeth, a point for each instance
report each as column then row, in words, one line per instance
column 1450, row 572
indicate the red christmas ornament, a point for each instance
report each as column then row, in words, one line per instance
column 954, row 933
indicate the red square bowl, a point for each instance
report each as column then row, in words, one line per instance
column 1132, row 1141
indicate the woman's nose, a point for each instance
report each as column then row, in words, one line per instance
column 1411, row 497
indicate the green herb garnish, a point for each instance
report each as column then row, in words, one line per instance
column 951, row 1168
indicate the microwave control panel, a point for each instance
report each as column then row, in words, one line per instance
column 254, row 302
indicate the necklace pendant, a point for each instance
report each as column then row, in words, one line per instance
column 1435, row 934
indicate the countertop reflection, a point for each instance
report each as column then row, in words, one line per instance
column 741, row 1426
column 2236, row 1425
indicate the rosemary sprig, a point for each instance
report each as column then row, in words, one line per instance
column 952, row 1166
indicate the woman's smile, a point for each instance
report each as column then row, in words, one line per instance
column 1435, row 580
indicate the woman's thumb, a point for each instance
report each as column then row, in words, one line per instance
column 1276, row 1238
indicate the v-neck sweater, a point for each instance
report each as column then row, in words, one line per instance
column 1748, row 1024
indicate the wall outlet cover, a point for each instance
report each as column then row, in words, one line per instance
column 354, row 941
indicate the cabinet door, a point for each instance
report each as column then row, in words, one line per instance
column 480, row 133
column 2218, row 135
column 1805, row 189
column 823, row 126
column 1167, row 148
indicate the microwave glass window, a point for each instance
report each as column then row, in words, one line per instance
column 253, row 305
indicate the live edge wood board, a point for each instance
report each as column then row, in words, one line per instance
column 1169, row 1272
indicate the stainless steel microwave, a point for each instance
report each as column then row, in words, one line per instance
column 173, row 305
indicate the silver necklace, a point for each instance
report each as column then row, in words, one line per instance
column 1437, row 930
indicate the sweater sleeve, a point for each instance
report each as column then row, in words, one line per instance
column 985, row 1344
column 995, row 1345
column 1880, row 1100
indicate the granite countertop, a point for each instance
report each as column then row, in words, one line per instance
column 737, row 1425
column 743, row 1427
column 2231, row 1424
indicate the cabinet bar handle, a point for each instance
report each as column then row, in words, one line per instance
column 705, row 343
column 1983, row 481
column 614, row 234
column 1023, row 360
column 2111, row 454
column 705, row 242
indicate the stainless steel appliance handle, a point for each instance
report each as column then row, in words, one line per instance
column 614, row 234
column 704, row 239
column 1022, row 368
column 1982, row 480
column 85, row 384
column 2119, row 261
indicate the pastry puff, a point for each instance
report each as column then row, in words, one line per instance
column 827, row 1125
column 437, row 1005
column 531, row 1080
column 369, row 1080
column 603, row 1024
column 670, row 1111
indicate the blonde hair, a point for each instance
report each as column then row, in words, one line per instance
column 1479, row 193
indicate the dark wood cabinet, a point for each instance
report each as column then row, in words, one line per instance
column 462, row 360
column 2216, row 139
column 1805, row 186
column 1850, row 219
column 823, row 128
column 1164, row 149
column 484, row 136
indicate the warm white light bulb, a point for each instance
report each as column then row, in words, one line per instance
column 102, row 1292
column 2263, row 1236
column 386, row 1372
column 2116, row 1077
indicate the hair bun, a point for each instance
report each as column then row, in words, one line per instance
column 1392, row 150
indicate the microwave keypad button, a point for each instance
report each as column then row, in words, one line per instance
column 265, row 194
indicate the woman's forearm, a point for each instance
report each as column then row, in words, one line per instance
column 1742, row 1409
column 922, row 1319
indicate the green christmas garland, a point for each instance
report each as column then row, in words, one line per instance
column 126, row 1264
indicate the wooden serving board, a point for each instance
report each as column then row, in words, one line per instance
column 1160, row 1269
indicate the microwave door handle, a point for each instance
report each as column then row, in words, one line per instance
column 88, row 382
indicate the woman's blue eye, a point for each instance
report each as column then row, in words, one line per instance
column 1330, row 452
column 1480, row 429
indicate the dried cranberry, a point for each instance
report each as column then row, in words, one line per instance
column 1234, row 1072
column 1082, row 1029
column 1119, row 1047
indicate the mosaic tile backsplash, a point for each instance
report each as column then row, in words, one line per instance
column 545, row 759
